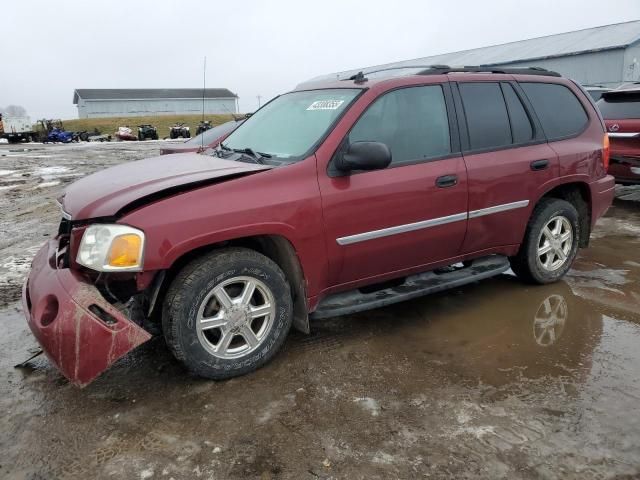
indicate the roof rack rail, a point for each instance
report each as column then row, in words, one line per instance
column 441, row 69
column 361, row 76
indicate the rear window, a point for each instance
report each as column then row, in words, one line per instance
column 559, row 110
column 617, row 106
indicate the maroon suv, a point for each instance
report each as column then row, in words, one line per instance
column 333, row 198
column 621, row 111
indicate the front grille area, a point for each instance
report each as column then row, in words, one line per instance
column 62, row 252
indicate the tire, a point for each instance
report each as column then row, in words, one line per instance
column 196, row 293
column 187, row 135
column 531, row 264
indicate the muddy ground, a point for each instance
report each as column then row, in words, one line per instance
column 492, row 380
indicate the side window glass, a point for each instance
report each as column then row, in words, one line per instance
column 560, row 112
column 412, row 122
column 521, row 128
column 486, row 112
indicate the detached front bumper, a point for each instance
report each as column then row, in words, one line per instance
column 79, row 331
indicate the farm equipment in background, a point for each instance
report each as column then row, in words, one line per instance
column 52, row 131
column 147, row 131
column 16, row 129
column 179, row 130
column 125, row 134
column 203, row 126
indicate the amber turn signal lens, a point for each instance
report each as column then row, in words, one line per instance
column 125, row 251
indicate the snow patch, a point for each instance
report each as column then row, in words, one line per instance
column 369, row 404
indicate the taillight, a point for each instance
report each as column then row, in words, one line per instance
column 606, row 152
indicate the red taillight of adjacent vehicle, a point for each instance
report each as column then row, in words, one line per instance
column 606, row 152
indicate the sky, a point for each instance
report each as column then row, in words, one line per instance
column 254, row 48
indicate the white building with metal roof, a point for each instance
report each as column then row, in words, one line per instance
column 136, row 102
column 608, row 55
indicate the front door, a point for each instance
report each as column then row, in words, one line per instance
column 410, row 214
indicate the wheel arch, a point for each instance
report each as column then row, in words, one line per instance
column 276, row 247
column 579, row 195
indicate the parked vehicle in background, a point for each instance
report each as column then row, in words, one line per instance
column 53, row 131
column 209, row 139
column 125, row 134
column 596, row 91
column 179, row 130
column 147, row 132
column 621, row 111
column 57, row 135
column 16, row 129
column 335, row 198
column 203, row 126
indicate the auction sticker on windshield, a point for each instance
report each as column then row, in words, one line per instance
column 325, row 105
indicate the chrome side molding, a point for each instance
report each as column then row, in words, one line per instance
column 434, row 222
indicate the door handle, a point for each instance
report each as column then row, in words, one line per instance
column 539, row 164
column 447, row 181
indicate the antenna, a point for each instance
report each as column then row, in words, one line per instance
column 259, row 97
column 204, row 88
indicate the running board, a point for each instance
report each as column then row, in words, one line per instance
column 414, row 286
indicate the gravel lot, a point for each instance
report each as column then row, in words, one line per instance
column 492, row 380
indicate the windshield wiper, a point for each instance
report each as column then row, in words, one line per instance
column 258, row 156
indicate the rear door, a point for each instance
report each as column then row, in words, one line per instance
column 507, row 160
column 410, row 214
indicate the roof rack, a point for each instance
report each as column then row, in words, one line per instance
column 440, row 69
column 360, row 77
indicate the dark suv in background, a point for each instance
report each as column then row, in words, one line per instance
column 621, row 111
column 334, row 198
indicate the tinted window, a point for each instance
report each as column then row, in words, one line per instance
column 521, row 128
column 486, row 113
column 620, row 106
column 412, row 122
column 560, row 112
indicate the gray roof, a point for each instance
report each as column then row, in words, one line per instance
column 606, row 37
column 148, row 93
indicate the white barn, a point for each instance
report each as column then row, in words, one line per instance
column 136, row 102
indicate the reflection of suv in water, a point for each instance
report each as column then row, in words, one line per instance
column 621, row 111
column 334, row 198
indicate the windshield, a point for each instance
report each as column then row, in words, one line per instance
column 289, row 126
column 213, row 134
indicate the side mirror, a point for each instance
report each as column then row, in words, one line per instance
column 364, row 156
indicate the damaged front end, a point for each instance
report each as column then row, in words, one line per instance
column 81, row 332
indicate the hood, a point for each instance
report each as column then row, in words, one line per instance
column 105, row 193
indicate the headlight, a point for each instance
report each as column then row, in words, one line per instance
column 111, row 248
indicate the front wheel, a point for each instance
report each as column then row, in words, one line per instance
column 227, row 313
column 550, row 244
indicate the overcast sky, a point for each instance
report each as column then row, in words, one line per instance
column 252, row 47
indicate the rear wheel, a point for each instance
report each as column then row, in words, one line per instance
column 550, row 244
column 228, row 313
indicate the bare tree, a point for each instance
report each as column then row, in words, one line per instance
column 14, row 111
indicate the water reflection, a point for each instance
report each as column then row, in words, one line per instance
column 549, row 320
column 495, row 331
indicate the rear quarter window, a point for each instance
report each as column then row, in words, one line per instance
column 559, row 110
